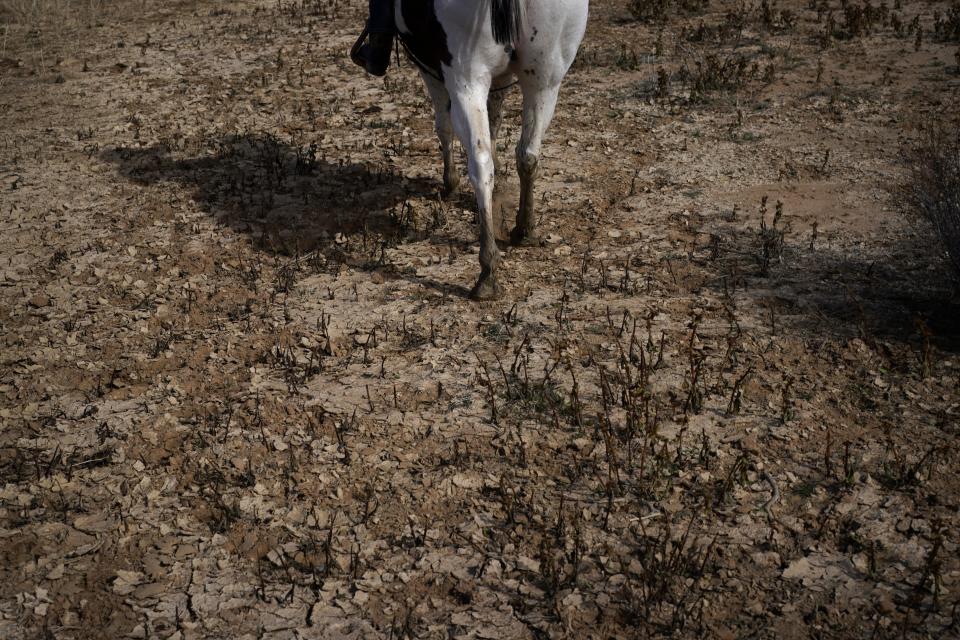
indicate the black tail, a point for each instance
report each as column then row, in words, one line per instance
column 506, row 18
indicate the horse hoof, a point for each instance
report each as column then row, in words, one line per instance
column 486, row 289
column 521, row 238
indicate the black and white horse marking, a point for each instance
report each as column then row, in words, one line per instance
column 466, row 47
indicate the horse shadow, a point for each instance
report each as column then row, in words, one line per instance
column 290, row 200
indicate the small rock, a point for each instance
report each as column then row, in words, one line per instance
column 528, row 564
column 750, row 444
column 885, row 604
column 461, row 618
column 756, row 608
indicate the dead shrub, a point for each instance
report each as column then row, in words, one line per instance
column 932, row 188
column 860, row 20
column 946, row 26
column 721, row 73
column 662, row 10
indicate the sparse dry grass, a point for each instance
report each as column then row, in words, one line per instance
column 659, row 11
column 242, row 384
column 31, row 14
column 37, row 32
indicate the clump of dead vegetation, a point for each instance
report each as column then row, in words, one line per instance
column 756, row 252
column 858, row 20
column 719, row 73
column 946, row 26
column 720, row 54
column 662, row 10
column 932, row 188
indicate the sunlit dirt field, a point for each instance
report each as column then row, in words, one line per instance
column 243, row 393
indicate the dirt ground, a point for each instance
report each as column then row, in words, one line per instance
column 243, row 394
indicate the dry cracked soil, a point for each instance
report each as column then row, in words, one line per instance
column 243, row 394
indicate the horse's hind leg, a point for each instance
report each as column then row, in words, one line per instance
column 469, row 112
column 444, row 127
column 539, row 103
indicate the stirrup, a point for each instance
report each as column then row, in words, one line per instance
column 355, row 49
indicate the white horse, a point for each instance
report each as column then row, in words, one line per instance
column 465, row 48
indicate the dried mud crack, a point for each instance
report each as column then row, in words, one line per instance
column 243, row 393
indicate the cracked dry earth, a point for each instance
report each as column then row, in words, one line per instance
column 243, row 395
